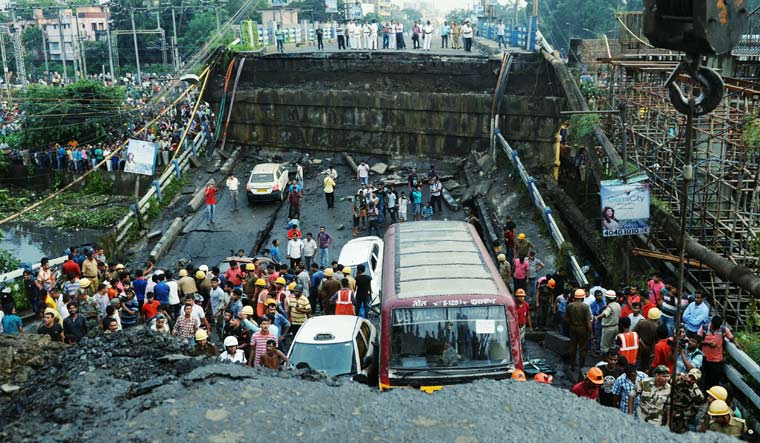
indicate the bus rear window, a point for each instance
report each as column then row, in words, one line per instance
column 464, row 337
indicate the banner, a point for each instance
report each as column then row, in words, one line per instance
column 355, row 11
column 331, row 6
column 625, row 207
column 278, row 3
column 141, row 157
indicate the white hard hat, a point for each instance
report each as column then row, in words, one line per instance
column 203, row 268
column 230, row 341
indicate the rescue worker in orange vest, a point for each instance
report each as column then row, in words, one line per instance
column 344, row 299
column 627, row 341
column 261, row 297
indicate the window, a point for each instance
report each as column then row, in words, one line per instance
column 361, row 348
column 94, row 27
column 55, row 46
column 100, row 26
column 366, row 331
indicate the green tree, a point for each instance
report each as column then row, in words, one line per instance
column 86, row 111
column 458, row 15
column 32, row 38
column 198, row 31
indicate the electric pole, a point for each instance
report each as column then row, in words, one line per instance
column 44, row 51
column 137, row 54
column 5, row 66
column 108, row 38
column 175, row 53
column 63, row 47
column 163, row 38
column 18, row 47
column 79, row 44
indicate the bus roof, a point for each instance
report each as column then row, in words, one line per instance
column 439, row 258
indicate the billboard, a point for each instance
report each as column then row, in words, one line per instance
column 625, row 207
column 331, row 6
column 355, row 11
column 141, row 157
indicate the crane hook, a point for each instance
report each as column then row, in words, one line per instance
column 711, row 85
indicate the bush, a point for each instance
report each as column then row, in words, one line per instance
column 97, row 184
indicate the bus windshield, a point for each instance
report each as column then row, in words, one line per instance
column 449, row 337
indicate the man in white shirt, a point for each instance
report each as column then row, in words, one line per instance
column 373, row 28
column 362, row 172
column 427, row 33
column 174, row 301
column 309, row 250
column 500, row 31
column 356, row 37
column 365, row 33
column 436, row 191
column 467, row 36
column 295, row 251
column 350, row 35
column 232, row 185
column 392, row 209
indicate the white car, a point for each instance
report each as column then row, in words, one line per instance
column 367, row 251
column 268, row 181
column 338, row 345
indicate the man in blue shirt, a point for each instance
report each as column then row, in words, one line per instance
column 596, row 308
column 696, row 314
column 139, row 285
column 274, row 251
column 316, row 278
column 445, row 30
column 161, row 290
column 11, row 321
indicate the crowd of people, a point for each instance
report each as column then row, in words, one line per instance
column 371, row 35
column 142, row 104
column 634, row 332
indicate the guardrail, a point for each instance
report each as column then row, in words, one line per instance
column 524, row 37
column 546, row 211
column 121, row 230
column 736, row 378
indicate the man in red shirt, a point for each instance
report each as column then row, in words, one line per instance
column 235, row 275
column 71, row 267
column 589, row 387
column 210, row 193
column 663, row 351
column 150, row 308
column 656, row 285
column 523, row 314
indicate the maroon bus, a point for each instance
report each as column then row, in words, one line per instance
column 447, row 316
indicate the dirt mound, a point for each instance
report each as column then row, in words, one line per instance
column 139, row 387
column 20, row 354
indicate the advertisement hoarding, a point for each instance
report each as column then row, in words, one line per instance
column 625, row 207
column 141, row 157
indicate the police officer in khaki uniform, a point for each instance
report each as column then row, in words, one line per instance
column 722, row 420
column 505, row 269
column 578, row 322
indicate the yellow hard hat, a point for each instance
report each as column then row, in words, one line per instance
column 521, row 236
column 328, row 272
column 270, row 301
column 261, row 282
column 501, row 257
column 520, row 292
column 654, row 314
column 183, row 272
column 718, row 408
column 718, row 393
column 84, row 283
column 280, row 281
column 250, row 267
column 247, row 310
column 200, row 275
column 292, row 285
column 580, row 293
column 201, row 334
column 346, row 270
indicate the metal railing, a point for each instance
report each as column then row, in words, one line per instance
column 546, row 211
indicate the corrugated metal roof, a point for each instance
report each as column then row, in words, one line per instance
column 440, row 258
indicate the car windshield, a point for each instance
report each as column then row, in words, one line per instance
column 332, row 358
column 262, row 178
column 353, row 268
column 449, row 337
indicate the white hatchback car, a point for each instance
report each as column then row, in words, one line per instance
column 367, row 251
column 268, row 181
column 339, row 345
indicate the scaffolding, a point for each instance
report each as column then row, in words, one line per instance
column 724, row 202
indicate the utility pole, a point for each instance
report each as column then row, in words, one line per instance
column 163, row 38
column 175, row 53
column 535, row 8
column 79, row 44
column 18, row 46
column 514, row 25
column 5, row 67
column 44, row 51
column 137, row 54
column 63, row 47
column 216, row 10
column 108, row 37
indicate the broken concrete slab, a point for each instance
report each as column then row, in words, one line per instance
column 316, row 162
column 199, row 197
column 452, row 184
column 187, row 190
column 230, row 163
column 450, row 200
column 9, row 388
column 379, row 168
column 194, row 161
column 350, row 161
column 167, row 240
column 554, row 341
column 486, row 163
column 154, row 234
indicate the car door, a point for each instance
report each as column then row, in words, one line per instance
column 374, row 259
column 360, row 344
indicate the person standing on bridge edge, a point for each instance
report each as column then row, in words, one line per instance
column 427, row 31
column 279, row 37
column 445, row 30
column 400, row 36
column 436, row 189
column 232, row 186
column 320, row 33
column 210, row 193
column 373, row 28
column 456, row 33
column 416, row 36
column 329, row 188
column 500, row 30
column 467, row 36
column 356, row 36
column 324, row 240
column 386, row 35
column 366, row 34
column 340, row 33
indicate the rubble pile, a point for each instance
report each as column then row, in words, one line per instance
column 20, row 354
